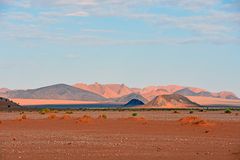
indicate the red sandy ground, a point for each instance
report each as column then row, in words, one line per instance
column 120, row 137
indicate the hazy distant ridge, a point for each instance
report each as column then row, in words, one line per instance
column 59, row 91
column 110, row 92
column 120, row 90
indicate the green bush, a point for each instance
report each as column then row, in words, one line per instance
column 134, row 114
column 228, row 111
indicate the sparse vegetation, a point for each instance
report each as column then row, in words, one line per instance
column 228, row 111
column 85, row 119
column 69, row 112
column 54, row 111
column 134, row 114
column 191, row 112
column 176, row 111
column 65, row 117
column 193, row 120
column 44, row 111
column 21, row 113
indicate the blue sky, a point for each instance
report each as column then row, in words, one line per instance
column 137, row 42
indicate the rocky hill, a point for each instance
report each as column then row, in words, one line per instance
column 129, row 97
column 134, row 102
column 171, row 101
column 7, row 104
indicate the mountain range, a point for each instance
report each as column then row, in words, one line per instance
column 106, row 90
column 109, row 92
column 119, row 90
column 4, row 90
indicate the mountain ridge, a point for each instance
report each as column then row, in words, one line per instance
column 57, row 91
column 151, row 92
column 110, row 92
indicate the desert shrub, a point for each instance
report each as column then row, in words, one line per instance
column 207, row 131
column 228, row 110
column 134, row 114
column 85, row 119
column 176, row 111
column 65, row 117
column 24, row 116
column 21, row 113
column 44, row 111
column 194, row 120
column 102, row 116
column 201, row 110
column 55, row 111
column 69, row 112
column 191, row 112
column 52, row 116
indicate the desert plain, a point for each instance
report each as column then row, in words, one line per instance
column 109, row 135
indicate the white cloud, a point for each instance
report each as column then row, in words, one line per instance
column 211, row 25
column 77, row 14
column 75, row 2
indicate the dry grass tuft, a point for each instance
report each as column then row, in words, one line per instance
column 193, row 120
column 66, row 117
column 189, row 119
column 52, row 116
column 24, row 117
column 85, row 119
column 102, row 117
